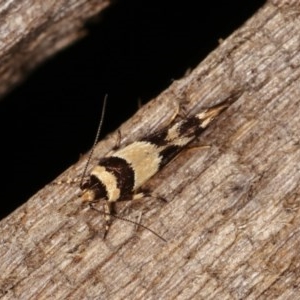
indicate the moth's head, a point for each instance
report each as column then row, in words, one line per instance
column 92, row 190
column 88, row 196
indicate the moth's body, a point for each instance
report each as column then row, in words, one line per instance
column 119, row 176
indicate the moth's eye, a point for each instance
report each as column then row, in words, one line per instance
column 85, row 185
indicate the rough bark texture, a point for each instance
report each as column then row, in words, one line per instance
column 232, row 218
column 33, row 30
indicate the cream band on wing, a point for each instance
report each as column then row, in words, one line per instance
column 109, row 181
column 144, row 159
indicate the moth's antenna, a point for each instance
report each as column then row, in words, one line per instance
column 139, row 224
column 129, row 221
column 96, row 140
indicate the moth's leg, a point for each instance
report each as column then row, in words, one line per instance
column 197, row 148
column 176, row 113
column 118, row 142
column 109, row 211
column 140, row 194
column 138, row 222
column 146, row 193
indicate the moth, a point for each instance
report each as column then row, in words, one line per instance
column 121, row 175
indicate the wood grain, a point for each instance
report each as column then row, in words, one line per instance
column 232, row 218
column 31, row 31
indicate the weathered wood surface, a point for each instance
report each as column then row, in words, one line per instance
column 31, row 31
column 232, row 218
